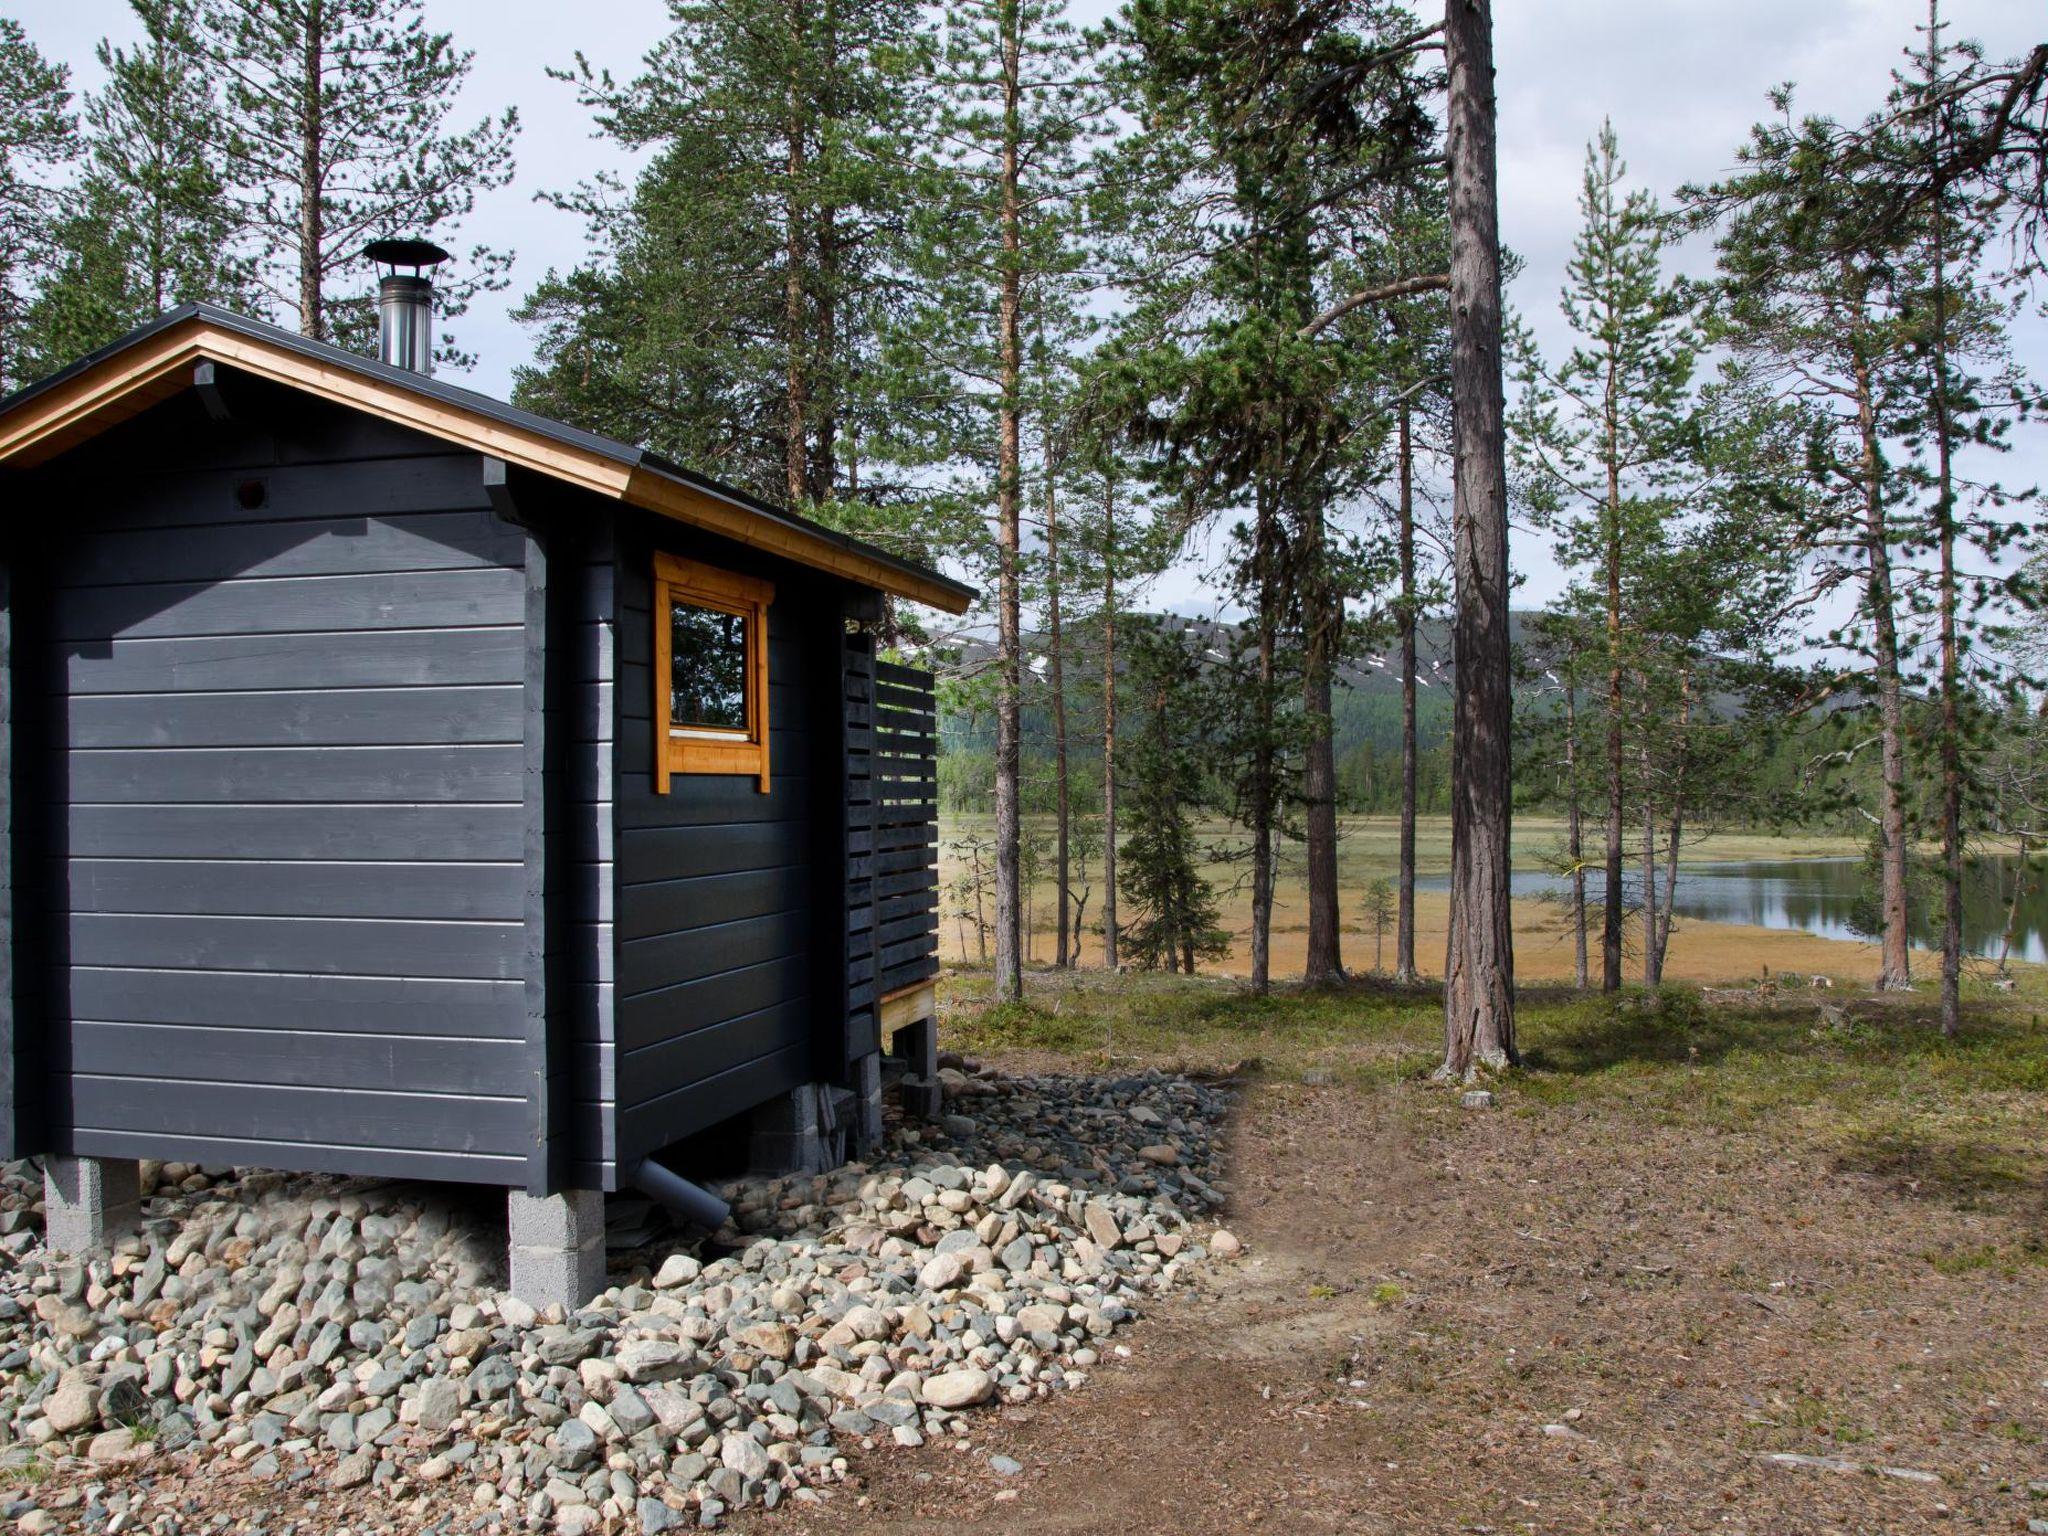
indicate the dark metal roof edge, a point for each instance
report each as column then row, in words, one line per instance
column 483, row 405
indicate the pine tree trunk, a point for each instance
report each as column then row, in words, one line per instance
column 312, row 144
column 1575, row 846
column 1479, row 970
column 1263, row 795
column 1109, row 946
column 1895, row 966
column 796, row 375
column 1404, row 929
column 1323, row 613
column 1677, row 826
column 1611, row 912
column 1009, row 976
column 1653, row 959
column 1056, row 670
column 1945, row 526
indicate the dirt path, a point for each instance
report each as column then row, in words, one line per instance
column 1427, row 1289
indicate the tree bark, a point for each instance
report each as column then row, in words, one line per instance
column 1611, row 912
column 312, row 177
column 1945, row 527
column 1677, row 825
column 1323, row 612
column 1653, row 958
column 1009, row 973
column 1479, row 969
column 1056, row 673
column 1895, row 966
column 1404, row 922
column 1263, row 789
column 1575, row 846
column 796, row 375
column 1109, row 947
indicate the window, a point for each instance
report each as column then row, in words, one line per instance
column 710, row 671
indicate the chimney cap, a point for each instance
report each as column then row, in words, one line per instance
column 417, row 254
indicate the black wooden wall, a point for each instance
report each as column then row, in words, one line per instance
column 717, row 940
column 281, row 671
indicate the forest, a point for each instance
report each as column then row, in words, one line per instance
column 1063, row 305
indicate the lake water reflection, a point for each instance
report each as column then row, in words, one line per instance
column 1820, row 895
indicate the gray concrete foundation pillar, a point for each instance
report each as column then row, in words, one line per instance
column 795, row 1133
column 89, row 1202
column 557, row 1244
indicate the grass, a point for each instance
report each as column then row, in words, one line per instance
column 1880, row 1092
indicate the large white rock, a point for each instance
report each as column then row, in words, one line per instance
column 959, row 1389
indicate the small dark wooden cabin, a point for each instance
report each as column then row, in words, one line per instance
column 404, row 784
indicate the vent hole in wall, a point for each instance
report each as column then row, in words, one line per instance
column 251, row 494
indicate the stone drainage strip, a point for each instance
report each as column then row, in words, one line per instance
column 275, row 1321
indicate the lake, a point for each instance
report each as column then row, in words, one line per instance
column 1819, row 896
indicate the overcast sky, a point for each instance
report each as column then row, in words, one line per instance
column 1682, row 80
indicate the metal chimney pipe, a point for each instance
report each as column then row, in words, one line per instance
column 405, row 302
column 405, row 322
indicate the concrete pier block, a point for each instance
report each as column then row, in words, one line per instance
column 557, row 1246
column 89, row 1202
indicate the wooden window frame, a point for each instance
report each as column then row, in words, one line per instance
column 708, row 749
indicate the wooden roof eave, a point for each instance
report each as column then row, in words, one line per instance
column 159, row 366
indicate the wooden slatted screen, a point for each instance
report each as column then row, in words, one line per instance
column 892, row 834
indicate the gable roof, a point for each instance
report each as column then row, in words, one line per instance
column 155, row 362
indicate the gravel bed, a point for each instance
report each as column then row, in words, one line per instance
column 348, row 1342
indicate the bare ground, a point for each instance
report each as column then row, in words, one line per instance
column 1426, row 1289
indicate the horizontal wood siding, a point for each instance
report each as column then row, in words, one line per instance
column 717, row 882
column 288, row 832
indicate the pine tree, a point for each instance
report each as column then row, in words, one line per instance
column 1174, row 921
column 151, row 225
column 38, row 137
column 742, row 311
column 1809, row 304
column 336, row 133
column 1245, row 362
column 1600, row 437
column 998, row 243
column 1479, row 964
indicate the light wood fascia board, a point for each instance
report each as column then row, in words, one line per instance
column 686, row 504
column 102, row 397
column 128, row 383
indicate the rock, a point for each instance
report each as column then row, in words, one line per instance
column 743, row 1453
column 1005, row 1466
column 72, row 1406
column 577, row 1520
column 630, row 1412
column 959, row 1389
column 775, row 1340
column 677, row 1269
column 652, row 1360
column 440, row 1400
column 656, row 1517
column 941, row 1272
column 1476, row 1098
column 575, row 1445
column 1161, row 1154
column 1224, row 1244
column 515, row 1313
column 114, row 1445
column 867, row 1324
column 1102, row 1225
column 354, row 1469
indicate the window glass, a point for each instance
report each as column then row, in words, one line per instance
column 707, row 668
